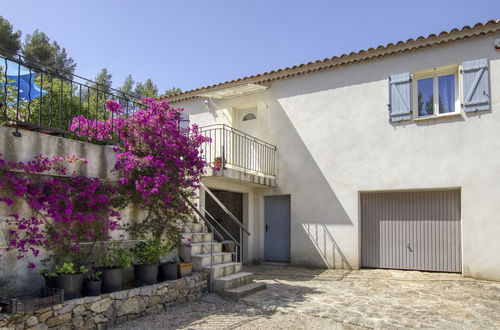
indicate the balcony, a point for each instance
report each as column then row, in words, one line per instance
column 237, row 156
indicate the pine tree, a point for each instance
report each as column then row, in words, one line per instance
column 9, row 39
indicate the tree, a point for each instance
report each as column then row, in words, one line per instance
column 63, row 62
column 38, row 48
column 146, row 89
column 103, row 81
column 128, row 85
column 8, row 38
column 172, row 91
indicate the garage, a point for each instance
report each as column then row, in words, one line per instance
column 417, row 230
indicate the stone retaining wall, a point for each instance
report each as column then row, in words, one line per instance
column 109, row 309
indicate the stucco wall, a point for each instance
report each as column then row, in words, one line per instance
column 334, row 141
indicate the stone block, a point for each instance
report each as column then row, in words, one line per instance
column 131, row 306
column 101, row 306
column 59, row 319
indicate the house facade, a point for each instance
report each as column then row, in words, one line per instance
column 384, row 158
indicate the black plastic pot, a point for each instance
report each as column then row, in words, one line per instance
column 112, row 279
column 167, row 271
column 146, row 274
column 91, row 288
column 49, row 282
column 70, row 283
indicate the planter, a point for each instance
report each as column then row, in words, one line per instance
column 112, row 279
column 71, row 284
column 146, row 274
column 167, row 271
column 184, row 269
column 91, row 288
column 219, row 163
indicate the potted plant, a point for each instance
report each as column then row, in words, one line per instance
column 111, row 265
column 147, row 254
column 219, row 163
column 66, row 277
column 92, row 284
column 184, row 268
column 167, row 271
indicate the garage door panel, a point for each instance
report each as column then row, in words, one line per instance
column 411, row 230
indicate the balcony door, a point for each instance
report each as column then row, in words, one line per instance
column 248, row 149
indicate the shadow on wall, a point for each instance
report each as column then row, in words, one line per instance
column 315, row 207
column 327, row 247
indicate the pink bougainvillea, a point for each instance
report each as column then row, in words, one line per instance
column 66, row 209
column 157, row 160
column 158, row 165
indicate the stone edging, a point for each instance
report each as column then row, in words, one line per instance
column 109, row 309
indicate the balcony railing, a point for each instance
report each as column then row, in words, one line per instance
column 42, row 98
column 236, row 149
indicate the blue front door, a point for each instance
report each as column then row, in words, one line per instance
column 277, row 228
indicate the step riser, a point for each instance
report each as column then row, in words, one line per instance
column 186, row 252
column 256, row 287
column 223, row 271
column 192, row 227
column 195, row 238
column 200, row 262
column 221, row 286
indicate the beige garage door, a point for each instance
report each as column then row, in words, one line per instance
column 411, row 230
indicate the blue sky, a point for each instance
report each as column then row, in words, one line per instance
column 191, row 44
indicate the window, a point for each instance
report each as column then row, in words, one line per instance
column 436, row 93
column 249, row 116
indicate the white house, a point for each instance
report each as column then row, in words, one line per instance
column 384, row 158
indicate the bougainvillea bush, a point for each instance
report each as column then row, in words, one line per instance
column 67, row 210
column 158, row 162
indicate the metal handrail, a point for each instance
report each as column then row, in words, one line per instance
column 192, row 206
column 230, row 146
column 230, row 128
column 238, row 244
column 224, row 208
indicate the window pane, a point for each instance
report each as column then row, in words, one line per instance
column 425, row 97
column 446, row 86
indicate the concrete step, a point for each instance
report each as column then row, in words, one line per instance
column 221, row 284
column 186, row 251
column 244, row 290
column 224, row 269
column 195, row 227
column 201, row 260
column 196, row 237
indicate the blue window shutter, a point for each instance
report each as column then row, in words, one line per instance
column 400, row 97
column 476, row 84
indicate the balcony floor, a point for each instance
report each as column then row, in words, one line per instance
column 237, row 176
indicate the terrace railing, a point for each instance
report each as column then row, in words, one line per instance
column 42, row 98
column 239, row 150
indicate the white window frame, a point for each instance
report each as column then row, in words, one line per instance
column 435, row 73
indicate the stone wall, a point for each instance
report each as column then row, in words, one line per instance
column 110, row 309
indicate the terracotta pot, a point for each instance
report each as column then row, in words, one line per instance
column 184, row 269
column 218, row 162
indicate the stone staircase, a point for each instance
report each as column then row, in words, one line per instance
column 228, row 279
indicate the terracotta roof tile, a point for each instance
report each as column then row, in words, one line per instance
column 466, row 32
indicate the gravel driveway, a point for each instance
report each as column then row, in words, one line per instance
column 305, row 298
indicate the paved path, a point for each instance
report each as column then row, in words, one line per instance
column 305, row 298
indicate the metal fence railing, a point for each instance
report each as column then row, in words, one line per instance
column 42, row 98
column 239, row 150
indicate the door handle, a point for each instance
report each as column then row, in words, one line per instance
column 409, row 248
column 266, row 227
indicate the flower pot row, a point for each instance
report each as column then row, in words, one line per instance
column 110, row 279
